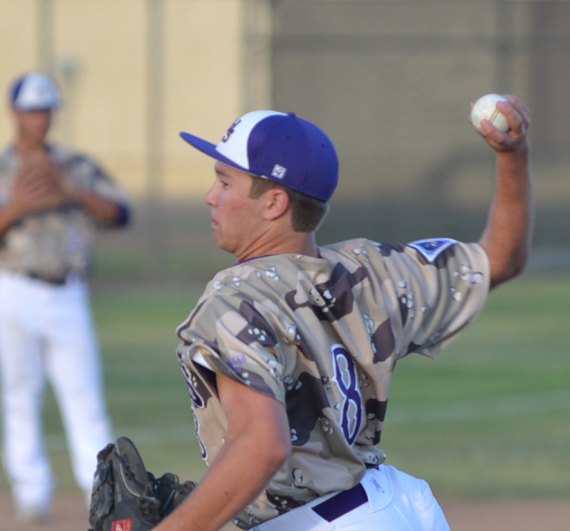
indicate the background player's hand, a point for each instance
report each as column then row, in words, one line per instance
column 39, row 185
column 515, row 138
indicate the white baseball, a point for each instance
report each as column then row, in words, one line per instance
column 485, row 108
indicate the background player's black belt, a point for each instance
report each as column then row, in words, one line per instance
column 341, row 503
column 54, row 281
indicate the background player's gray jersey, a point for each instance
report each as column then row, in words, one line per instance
column 327, row 349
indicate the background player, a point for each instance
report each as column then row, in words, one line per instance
column 289, row 354
column 51, row 200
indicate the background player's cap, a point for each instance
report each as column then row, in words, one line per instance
column 34, row 91
column 279, row 147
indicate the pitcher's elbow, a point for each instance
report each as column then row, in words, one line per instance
column 509, row 270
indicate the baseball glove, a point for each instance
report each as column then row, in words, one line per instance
column 125, row 496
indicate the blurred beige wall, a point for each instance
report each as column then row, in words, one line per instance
column 107, row 56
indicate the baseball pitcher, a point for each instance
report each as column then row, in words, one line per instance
column 289, row 354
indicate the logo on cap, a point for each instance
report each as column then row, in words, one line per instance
column 278, row 171
column 231, row 130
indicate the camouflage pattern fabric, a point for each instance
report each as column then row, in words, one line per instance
column 323, row 336
column 57, row 241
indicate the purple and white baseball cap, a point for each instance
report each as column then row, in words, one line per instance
column 34, row 91
column 280, row 147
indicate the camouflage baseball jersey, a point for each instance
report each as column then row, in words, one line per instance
column 54, row 242
column 322, row 336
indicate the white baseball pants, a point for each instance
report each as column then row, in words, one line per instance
column 393, row 501
column 46, row 333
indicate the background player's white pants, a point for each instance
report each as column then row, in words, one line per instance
column 47, row 332
column 396, row 502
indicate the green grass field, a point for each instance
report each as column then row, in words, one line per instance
column 489, row 419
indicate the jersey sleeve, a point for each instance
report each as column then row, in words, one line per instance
column 89, row 174
column 437, row 288
column 232, row 335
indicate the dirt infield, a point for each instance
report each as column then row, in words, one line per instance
column 70, row 515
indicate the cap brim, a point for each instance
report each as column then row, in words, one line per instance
column 210, row 149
